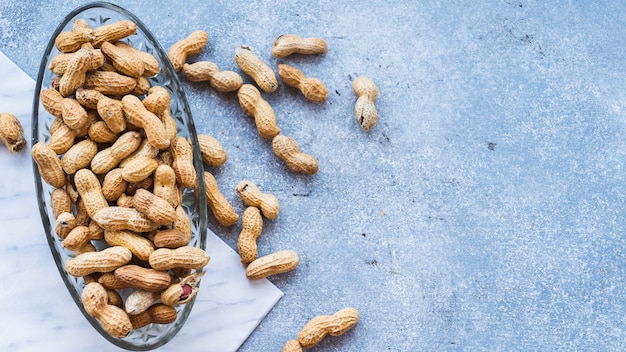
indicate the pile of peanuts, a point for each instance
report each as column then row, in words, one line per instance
column 119, row 170
column 260, row 204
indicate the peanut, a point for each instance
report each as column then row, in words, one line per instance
column 157, row 314
column 252, row 196
column 48, row 164
column 114, row 299
column 139, row 169
column 62, row 139
column 287, row 149
column 71, row 41
column 212, row 152
column 158, row 100
column 109, row 83
column 77, row 238
column 170, row 238
column 192, row 45
column 140, row 246
column 151, row 65
column 254, row 105
column 120, row 218
column 58, row 64
column 74, row 115
column 183, row 162
column 51, row 100
column 272, row 264
column 113, row 185
column 142, row 86
column 337, row 324
column 88, row 98
column 82, row 217
column 182, row 292
column 143, row 278
column 98, row 262
column 221, row 81
column 90, row 191
column 108, row 158
column 145, row 184
column 183, row 223
column 124, row 61
column 60, row 201
column 138, row 115
column 125, row 201
column 113, row 319
column 165, row 185
column 222, row 210
column 56, row 124
column 99, row 132
column 251, row 228
column 288, row 44
column 92, row 117
column 145, row 149
column 79, row 156
column 187, row 257
column 80, row 23
column 111, row 112
column 140, row 300
column 75, row 72
column 155, row 208
column 292, row 346
column 11, row 132
column 313, row 89
column 253, row 66
column 110, row 282
column 364, row 108
column 65, row 223
column 113, row 32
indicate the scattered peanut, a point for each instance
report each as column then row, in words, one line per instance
column 251, row 228
column 251, row 64
column 337, row 324
column 254, row 105
column 272, row 264
column 192, row 45
column 287, row 149
column 364, row 109
column 71, row 41
column 221, row 81
column 212, row 152
column 313, row 89
column 252, row 196
column 288, row 44
column 113, row 319
column 11, row 132
column 222, row 210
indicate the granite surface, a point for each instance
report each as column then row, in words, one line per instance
column 484, row 211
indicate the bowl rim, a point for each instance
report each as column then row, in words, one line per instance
column 189, row 123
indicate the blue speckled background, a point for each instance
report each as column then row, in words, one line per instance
column 485, row 210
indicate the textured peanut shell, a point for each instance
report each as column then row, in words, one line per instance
column 124, row 61
column 251, row 196
column 140, row 246
column 143, row 278
column 364, row 108
column 140, row 300
column 253, row 66
column 11, row 132
column 114, row 299
column 103, row 261
column 138, row 115
column 226, row 81
column 88, row 186
column 211, row 150
column 113, row 185
column 219, row 205
column 157, row 100
column 192, row 45
column 75, row 72
column 155, row 208
column 145, row 149
column 170, row 238
column 187, row 257
column 287, row 149
column 79, row 156
column 51, row 100
column 139, row 169
column 337, row 324
column 288, row 44
column 272, row 264
column 156, row 314
column 121, row 218
column 113, row 319
column 48, row 164
column 65, row 222
column 251, row 228
column 111, row 112
column 183, row 162
column 58, row 64
column 74, row 115
column 313, row 89
column 151, row 65
column 254, row 105
column 109, row 82
column 70, row 41
column 108, row 158
column 109, row 281
column 165, row 185
column 88, row 98
column 99, row 132
column 77, row 238
column 173, row 295
column 200, row 71
column 183, row 223
column 60, row 201
column 292, row 346
column 112, row 32
column 145, row 184
column 62, row 139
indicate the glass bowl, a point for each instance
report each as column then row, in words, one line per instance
column 194, row 202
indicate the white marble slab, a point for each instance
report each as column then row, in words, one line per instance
column 38, row 314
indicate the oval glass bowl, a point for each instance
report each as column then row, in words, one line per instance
column 194, row 202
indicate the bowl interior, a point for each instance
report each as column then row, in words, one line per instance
column 194, row 202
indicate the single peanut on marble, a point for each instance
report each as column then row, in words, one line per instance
column 272, row 264
column 11, row 132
